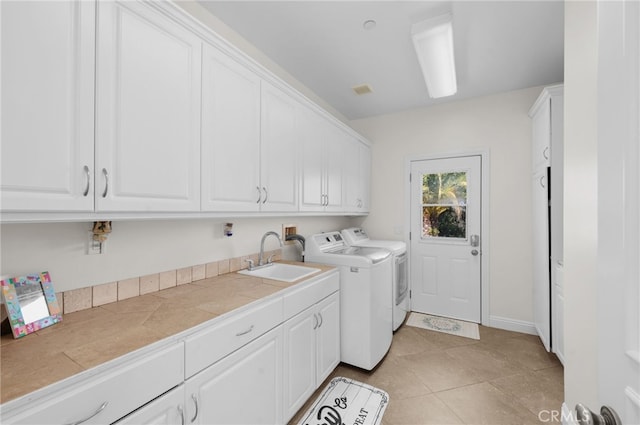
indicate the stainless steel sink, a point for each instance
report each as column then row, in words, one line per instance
column 281, row 272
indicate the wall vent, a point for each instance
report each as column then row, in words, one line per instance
column 362, row 89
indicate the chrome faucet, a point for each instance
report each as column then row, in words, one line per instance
column 260, row 258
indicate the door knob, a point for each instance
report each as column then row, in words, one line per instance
column 607, row 416
column 474, row 252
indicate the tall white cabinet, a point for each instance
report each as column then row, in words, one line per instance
column 547, row 190
column 48, row 53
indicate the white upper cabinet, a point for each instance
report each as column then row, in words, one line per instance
column 546, row 121
column 148, row 111
column 278, row 151
column 321, row 163
column 249, row 156
column 48, row 53
column 230, row 134
column 357, row 173
column 130, row 109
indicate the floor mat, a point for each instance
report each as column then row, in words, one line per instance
column 444, row 324
column 345, row 401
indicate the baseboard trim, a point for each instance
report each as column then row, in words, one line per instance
column 512, row 325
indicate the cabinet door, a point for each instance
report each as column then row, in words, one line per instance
column 165, row 410
column 541, row 135
column 279, row 157
column 148, row 111
column 48, row 53
column 365, row 177
column 357, row 170
column 541, row 290
column 312, row 161
column 243, row 388
column 335, row 164
column 299, row 360
column 557, row 307
column 328, row 337
column 230, row 134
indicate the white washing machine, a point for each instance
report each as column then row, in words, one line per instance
column 355, row 236
column 365, row 296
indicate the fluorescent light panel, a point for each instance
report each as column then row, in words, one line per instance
column 433, row 41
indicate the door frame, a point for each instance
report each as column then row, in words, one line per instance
column 484, row 218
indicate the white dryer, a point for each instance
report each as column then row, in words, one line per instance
column 365, row 296
column 355, row 236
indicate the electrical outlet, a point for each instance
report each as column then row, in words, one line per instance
column 93, row 247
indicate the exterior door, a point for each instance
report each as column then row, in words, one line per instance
column 445, row 237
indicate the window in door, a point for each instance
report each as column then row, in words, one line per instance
column 444, row 205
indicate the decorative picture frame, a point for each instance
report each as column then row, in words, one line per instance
column 31, row 303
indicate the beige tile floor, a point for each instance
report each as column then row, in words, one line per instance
column 435, row 378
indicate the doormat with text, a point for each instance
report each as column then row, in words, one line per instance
column 345, row 401
column 444, row 324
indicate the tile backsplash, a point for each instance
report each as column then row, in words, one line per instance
column 94, row 296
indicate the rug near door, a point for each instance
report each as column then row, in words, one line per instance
column 444, row 324
column 345, row 401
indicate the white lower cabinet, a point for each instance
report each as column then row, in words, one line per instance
column 165, row 410
column 257, row 366
column 104, row 396
column 312, row 351
column 243, row 388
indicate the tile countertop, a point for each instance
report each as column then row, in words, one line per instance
column 88, row 338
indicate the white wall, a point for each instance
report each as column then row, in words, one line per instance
column 580, row 203
column 498, row 124
column 138, row 248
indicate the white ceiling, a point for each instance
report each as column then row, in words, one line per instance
column 499, row 46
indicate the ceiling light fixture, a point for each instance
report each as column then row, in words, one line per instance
column 433, row 41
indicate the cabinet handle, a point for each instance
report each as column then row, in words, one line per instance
column 245, row 332
column 181, row 413
column 321, row 320
column 544, row 152
column 266, row 194
column 100, row 409
column 195, row 401
column 542, row 178
column 315, row 321
column 106, row 182
column 259, row 194
column 86, row 189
